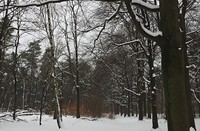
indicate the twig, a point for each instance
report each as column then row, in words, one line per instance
column 105, row 22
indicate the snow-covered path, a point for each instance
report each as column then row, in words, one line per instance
column 30, row 123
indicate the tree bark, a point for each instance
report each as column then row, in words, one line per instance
column 75, row 40
column 140, row 107
column 139, row 88
column 144, row 103
column 53, row 68
column 152, row 86
column 15, row 65
column 154, row 105
column 149, row 104
column 129, row 104
column 42, row 100
column 173, row 67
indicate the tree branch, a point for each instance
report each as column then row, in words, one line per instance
column 105, row 22
column 128, row 43
column 137, row 94
column 155, row 36
column 146, row 6
column 195, row 96
column 133, row 42
column 35, row 4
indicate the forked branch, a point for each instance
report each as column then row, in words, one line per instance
column 155, row 36
column 105, row 22
column 145, row 5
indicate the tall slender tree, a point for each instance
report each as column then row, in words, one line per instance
column 15, row 59
column 53, row 64
column 75, row 39
column 6, row 20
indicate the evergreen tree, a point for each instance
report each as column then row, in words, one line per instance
column 31, row 59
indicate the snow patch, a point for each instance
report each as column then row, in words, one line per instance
column 70, row 123
column 192, row 129
column 158, row 129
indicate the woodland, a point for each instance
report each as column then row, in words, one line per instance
column 92, row 58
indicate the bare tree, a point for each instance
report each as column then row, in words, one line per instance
column 171, row 41
column 15, row 58
column 5, row 35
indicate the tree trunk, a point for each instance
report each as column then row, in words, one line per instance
column 3, row 97
column 15, row 93
column 132, row 110
column 198, row 95
column 2, row 55
column 136, row 110
column 149, row 102
column 15, row 66
column 5, row 25
column 175, row 92
column 129, row 105
column 42, row 101
column 199, row 108
column 75, row 40
column 140, row 108
column 144, row 103
column 154, row 105
column 188, row 91
column 121, row 110
column 187, row 81
column 152, row 86
column 140, row 88
column 141, row 97
column 173, row 67
column 53, row 68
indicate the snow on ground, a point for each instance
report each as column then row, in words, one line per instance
column 30, row 123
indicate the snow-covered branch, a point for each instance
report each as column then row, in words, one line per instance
column 146, row 80
column 37, row 4
column 194, row 31
column 23, row 5
column 145, row 5
column 139, row 3
column 155, row 36
column 195, row 96
column 137, row 94
column 134, row 42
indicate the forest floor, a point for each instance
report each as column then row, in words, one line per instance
column 119, row 123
